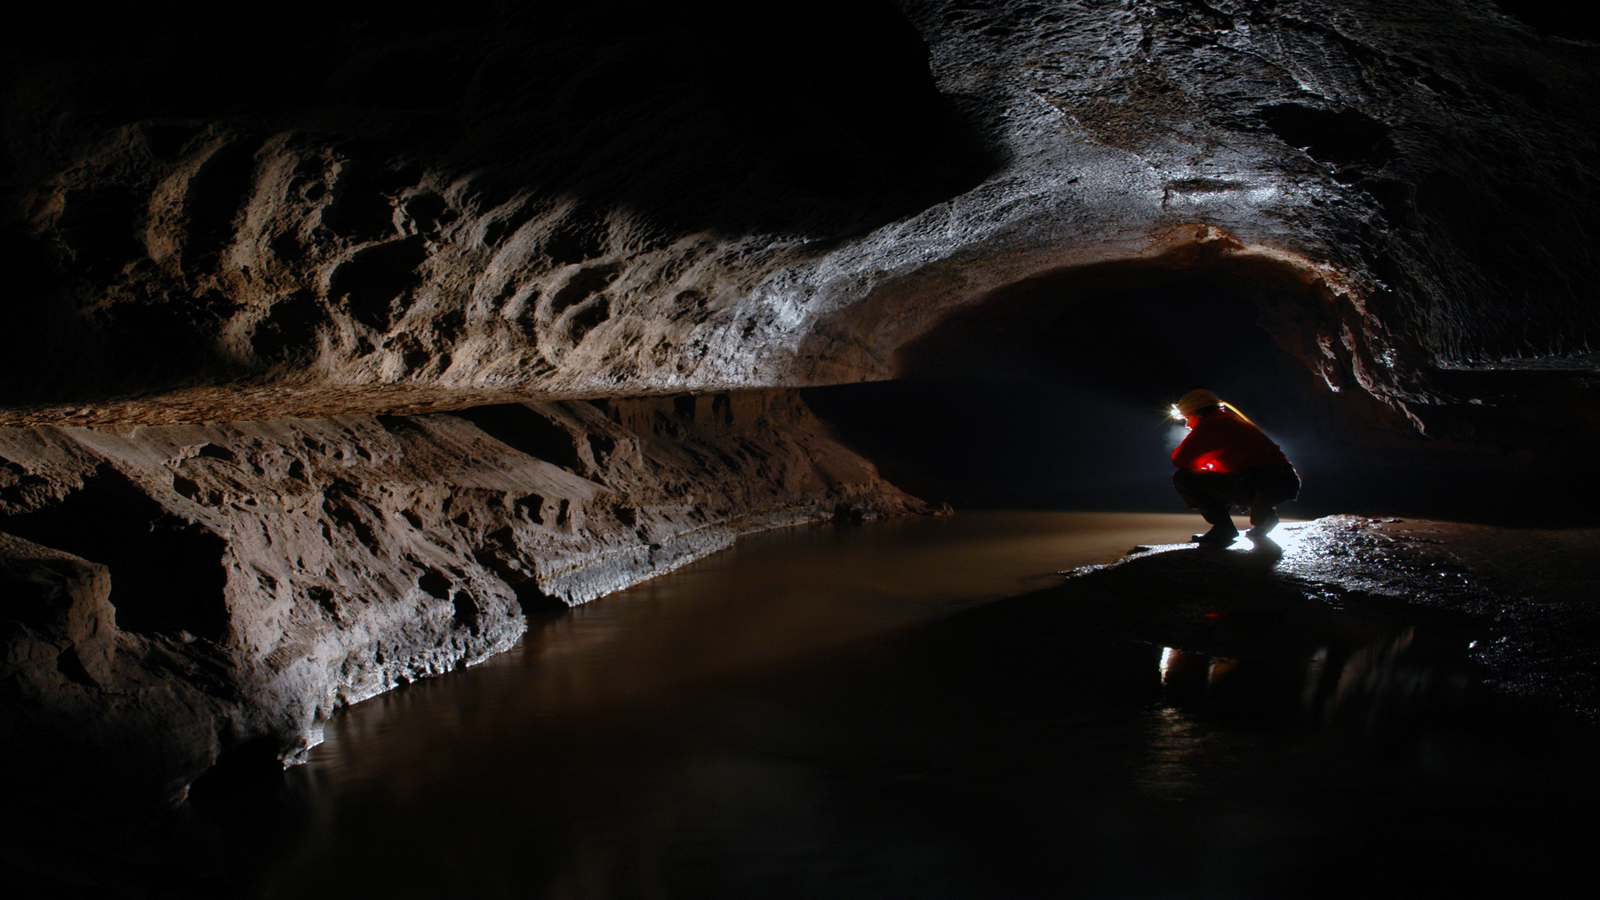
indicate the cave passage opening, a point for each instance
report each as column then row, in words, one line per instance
column 1053, row 393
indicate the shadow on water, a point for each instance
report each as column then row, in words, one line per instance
column 792, row 719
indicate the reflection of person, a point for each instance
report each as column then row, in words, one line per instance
column 1226, row 461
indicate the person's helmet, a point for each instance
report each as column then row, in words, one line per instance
column 1194, row 401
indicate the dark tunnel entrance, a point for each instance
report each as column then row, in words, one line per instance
column 1053, row 394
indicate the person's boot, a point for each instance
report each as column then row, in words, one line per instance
column 1221, row 534
column 1262, row 523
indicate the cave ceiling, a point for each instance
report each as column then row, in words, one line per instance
column 497, row 202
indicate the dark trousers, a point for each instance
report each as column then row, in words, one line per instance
column 1258, row 490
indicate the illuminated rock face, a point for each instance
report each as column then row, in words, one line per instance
column 429, row 214
column 281, row 569
column 500, row 206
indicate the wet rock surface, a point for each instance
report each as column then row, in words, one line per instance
column 237, row 583
column 1339, row 591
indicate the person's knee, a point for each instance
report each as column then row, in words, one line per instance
column 1268, row 486
column 1283, row 487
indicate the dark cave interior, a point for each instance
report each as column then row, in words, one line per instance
column 169, row 572
column 1052, row 394
column 1034, row 402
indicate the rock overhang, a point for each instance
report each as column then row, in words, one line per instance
column 311, row 259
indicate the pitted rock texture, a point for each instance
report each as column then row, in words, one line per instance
column 139, row 712
column 279, row 570
column 444, row 211
column 339, row 214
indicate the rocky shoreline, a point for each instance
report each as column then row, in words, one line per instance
column 1355, row 580
column 180, row 591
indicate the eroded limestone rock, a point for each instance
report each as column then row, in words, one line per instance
column 620, row 199
column 279, row 570
column 137, row 717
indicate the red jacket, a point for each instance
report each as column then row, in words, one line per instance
column 1223, row 442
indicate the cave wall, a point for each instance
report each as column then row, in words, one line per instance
column 185, row 589
column 337, row 226
column 390, row 213
column 77, row 694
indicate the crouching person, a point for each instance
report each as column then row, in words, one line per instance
column 1226, row 462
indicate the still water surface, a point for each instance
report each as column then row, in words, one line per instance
column 810, row 715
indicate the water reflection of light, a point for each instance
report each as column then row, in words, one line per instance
column 1169, row 771
column 1220, row 666
column 1314, row 667
column 1181, row 672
